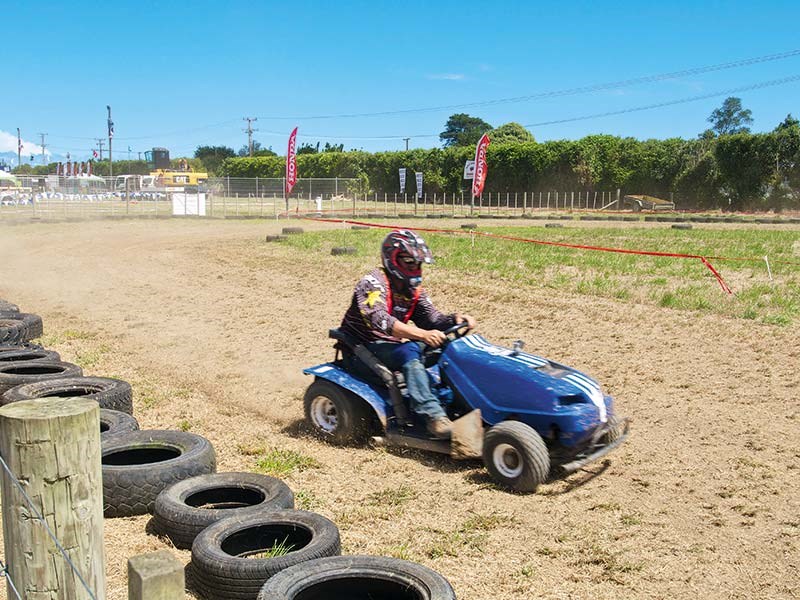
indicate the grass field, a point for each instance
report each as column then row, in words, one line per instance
column 663, row 281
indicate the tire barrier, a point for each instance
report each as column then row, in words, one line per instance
column 276, row 238
column 114, row 422
column 13, row 331
column 139, row 465
column 682, row 226
column 24, row 354
column 359, row 227
column 234, row 557
column 13, row 374
column 340, row 251
column 291, row 230
column 112, row 394
column 32, row 322
column 8, row 307
column 357, row 577
column 186, row 508
column 15, row 347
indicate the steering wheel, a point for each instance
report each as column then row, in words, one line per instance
column 452, row 333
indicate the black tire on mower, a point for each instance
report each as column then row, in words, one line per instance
column 113, row 394
column 335, row 414
column 8, row 307
column 12, row 331
column 224, row 562
column 186, row 508
column 24, row 354
column 32, row 322
column 139, row 465
column 114, row 421
column 13, row 374
column 516, row 456
column 357, row 577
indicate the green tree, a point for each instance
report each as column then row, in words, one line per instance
column 511, row 133
column 308, row 148
column 258, row 150
column 463, row 130
column 212, row 156
column 731, row 118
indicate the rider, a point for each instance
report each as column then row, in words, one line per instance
column 384, row 303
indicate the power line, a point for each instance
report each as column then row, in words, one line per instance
column 566, row 92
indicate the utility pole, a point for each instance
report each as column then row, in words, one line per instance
column 140, row 155
column 43, row 147
column 110, row 136
column 406, row 139
column 250, row 131
column 19, row 148
column 100, row 142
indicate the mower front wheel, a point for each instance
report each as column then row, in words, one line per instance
column 516, row 456
column 336, row 415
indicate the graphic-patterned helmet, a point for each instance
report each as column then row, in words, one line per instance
column 403, row 253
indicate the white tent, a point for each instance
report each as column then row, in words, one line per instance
column 8, row 177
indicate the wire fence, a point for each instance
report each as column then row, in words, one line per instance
column 264, row 198
column 36, row 515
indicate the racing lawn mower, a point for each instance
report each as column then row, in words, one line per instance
column 524, row 415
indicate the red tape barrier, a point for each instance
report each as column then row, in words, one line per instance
column 703, row 259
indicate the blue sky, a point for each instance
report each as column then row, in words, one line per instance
column 183, row 74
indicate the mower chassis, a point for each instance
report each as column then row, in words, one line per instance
column 584, row 459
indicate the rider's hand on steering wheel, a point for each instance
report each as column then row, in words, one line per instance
column 433, row 338
column 469, row 319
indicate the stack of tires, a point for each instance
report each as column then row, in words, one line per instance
column 246, row 539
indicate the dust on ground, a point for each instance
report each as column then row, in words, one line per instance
column 213, row 326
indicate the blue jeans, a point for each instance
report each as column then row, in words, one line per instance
column 407, row 357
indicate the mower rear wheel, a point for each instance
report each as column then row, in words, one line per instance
column 516, row 456
column 336, row 415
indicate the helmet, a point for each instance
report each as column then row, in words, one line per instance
column 403, row 253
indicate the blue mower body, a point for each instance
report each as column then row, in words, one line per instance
column 567, row 408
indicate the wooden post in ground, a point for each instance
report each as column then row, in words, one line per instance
column 155, row 576
column 51, row 446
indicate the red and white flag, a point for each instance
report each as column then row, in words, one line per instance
column 480, row 166
column 291, row 162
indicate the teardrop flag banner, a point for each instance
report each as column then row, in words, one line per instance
column 480, row 166
column 291, row 162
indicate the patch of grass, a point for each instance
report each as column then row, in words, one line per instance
column 471, row 536
column 281, row 462
column 631, row 519
column 89, row 357
column 392, row 496
column 184, row 425
column 306, row 500
column 677, row 283
column 60, row 337
column 282, row 548
column 402, row 551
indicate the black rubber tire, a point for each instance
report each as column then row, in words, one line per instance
column 24, row 354
column 551, row 225
column 16, row 347
column 357, row 577
column 527, row 449
column 359, row 227
column 343, row 250
column 186, row 508
column 13, row 374
column 114, row 422
column 276, row 238
column 469, row 226
column 13, row 331
column 222, row 562
column 8, row 307
column 682, row 226
column 113, row 394
column 32, row 322
column 353, row 417
column 139, row 465
column 291, row 230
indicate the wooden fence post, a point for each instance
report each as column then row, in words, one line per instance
column 155, row 576
column 53, row 446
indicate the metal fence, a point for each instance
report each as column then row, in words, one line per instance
column 53, row 197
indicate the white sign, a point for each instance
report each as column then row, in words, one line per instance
column 419, row 185
column 188, row 204
column 402, row 181
column 469, row 169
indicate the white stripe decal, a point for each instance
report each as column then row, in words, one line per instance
column 594, row 395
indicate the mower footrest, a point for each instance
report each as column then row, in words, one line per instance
column 392, row 438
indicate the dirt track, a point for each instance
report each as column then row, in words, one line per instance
column 212, row 326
